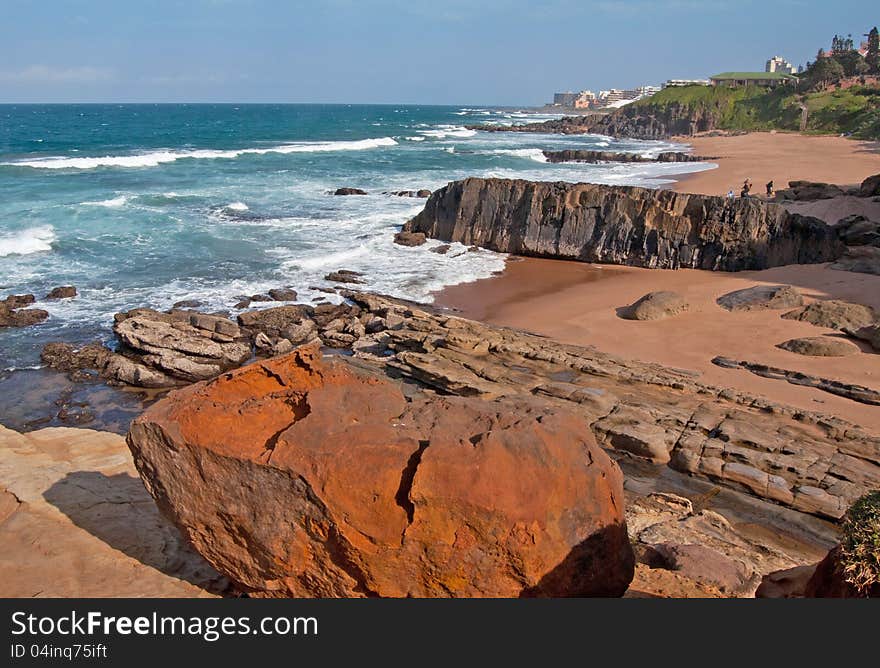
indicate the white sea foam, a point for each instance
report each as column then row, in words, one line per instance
column 156, row 158
column 113, row 203
column 237, row 206
column 414, row 138
column 30, row 240
column 444, row 131
column 535, row 154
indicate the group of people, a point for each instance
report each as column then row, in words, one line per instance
column 747, row 190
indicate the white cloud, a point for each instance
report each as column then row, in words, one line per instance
column 48, row 74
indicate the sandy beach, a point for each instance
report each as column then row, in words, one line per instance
column 577, row 303
column 780, row 157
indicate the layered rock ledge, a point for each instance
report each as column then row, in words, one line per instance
column 311, row 476
column 623, row 225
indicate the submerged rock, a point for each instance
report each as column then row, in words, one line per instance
column 350, row 191
column 409, row 238
column 64, row 292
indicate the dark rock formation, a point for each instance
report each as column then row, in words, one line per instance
column 350, row 191
column 865, row 395
column 623, row 225
column 857, row 230
column 809, row 191
column 761, row 297
column 870, row 334
column 820, row 346
column 424, row 192
column 366, row 488
column 870, row 186
column 574, row 155
column 655, row 306
column 409, row 238
column 63, row 292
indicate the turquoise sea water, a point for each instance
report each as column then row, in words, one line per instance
column 146, row 205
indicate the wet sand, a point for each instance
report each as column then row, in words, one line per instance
column 577, row 303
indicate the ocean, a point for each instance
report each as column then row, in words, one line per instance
column 147, row 205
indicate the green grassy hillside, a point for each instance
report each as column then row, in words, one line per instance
column 853, row 111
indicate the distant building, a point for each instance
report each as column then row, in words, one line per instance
column 566, row 99
column 640, row 92
column 779, row 64
column 738, row 79
column 585, row 100
column 681, row 83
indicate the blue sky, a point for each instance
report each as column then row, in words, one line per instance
column 415, row 51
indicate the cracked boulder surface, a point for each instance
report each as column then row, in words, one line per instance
column 305, row 475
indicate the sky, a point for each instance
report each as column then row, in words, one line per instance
column 500, row 52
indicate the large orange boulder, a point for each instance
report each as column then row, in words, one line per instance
column 311, row 476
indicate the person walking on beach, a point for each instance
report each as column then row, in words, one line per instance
column 769, row 189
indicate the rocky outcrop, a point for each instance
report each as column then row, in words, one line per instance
column 869, row 334
column 344, row 276
column 365, row 487
column 76, row 522
column 808, row 461
column 421, row 194
column 575, row 155
column 655, row 306
column 834, row 314
column 761, row 298
column 820, row 346
column 13, row 313
column 349, row 191
column 634, row 121
column 623, row 225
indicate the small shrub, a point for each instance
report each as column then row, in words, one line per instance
column 860, row 547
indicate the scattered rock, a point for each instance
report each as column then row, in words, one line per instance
column 706, row 565
column 64, row 292
column 576, row 155
column 410, row 238
column 809, row 191
column 820, row 346
column 834, row 314
column 857, row 230
column 761, row 297
column 273, row 321
column 18, row 301
column 411, row 193
column 344, row 276
column 655, row 306
column 442, row 249
column 21, row 317
column 412, row 495
column 871, row 334
column 261, row 298
column 786, row 583
column 870, row 186
column 861, row 259
column 350, row 191
column 864, row 395
column 283, row 294
column 187, row 303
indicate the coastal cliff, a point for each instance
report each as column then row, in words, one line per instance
column 623, row 225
